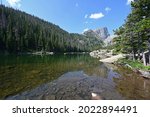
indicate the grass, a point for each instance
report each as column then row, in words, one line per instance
column 135, row 64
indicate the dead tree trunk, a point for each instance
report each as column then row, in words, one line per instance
column 144, row 59
column 133, row 55
column 149, row 49
column 139, row 46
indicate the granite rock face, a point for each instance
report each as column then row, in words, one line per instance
column 100, row 33
column 109, row 40
column 91, row 33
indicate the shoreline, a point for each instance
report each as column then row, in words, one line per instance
column 113, row 59
column 109, row 58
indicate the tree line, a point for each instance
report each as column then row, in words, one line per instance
column 134, row 34
column 21, row 32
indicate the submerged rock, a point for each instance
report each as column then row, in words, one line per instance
column 145, row 74
column 72, row 86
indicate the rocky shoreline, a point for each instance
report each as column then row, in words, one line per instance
column 42, row 53
column 142, row 73
column 100, row 54
column 108, row 57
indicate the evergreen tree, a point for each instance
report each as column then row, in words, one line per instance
column 21, row 32
column 134, row 35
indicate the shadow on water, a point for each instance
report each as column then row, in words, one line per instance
column 62, row 77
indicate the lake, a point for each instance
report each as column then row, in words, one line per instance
column 63, row 77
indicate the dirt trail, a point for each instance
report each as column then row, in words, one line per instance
column 112, row 59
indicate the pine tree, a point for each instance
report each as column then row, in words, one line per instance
column 134, row 37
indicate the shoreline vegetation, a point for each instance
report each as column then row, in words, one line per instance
column 52, row 53
column 42, row 53
column 133, row 38
column 108, row 57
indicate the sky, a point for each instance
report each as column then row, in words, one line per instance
column 76, row 16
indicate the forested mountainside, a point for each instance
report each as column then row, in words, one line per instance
column 21, row 32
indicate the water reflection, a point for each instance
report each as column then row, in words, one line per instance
column 62, row 77
column 21, row 73
column 132, row 86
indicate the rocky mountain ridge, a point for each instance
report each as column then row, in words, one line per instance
column 100, row 33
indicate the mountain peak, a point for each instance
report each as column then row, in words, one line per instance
column 100, row 33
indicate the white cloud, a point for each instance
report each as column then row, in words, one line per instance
column 85, row 30
column 96, row 15
column 129, row 1
column 107, row 9
column 77, row 5
column 86, row 16
column 14, row 3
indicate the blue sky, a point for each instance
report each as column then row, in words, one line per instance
column 75, row 16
